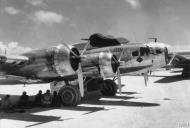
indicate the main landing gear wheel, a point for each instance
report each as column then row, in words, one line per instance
column 109, row 88
column 69, row 95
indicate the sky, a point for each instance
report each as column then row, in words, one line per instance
column 43, row 23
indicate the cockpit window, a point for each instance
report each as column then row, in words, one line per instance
column 144, row 51
column 135, row 53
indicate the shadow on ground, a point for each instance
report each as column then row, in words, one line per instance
column 91, row 99
column 29, row 117
column 170, row 79
column 94, row 99
column 123, row 103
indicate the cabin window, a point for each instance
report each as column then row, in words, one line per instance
column 135, row 53
column 158, row 51
column 144, row 51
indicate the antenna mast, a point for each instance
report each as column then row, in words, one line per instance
column 155, row 39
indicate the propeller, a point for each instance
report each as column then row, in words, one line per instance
column 79, row 71
column 119, row 63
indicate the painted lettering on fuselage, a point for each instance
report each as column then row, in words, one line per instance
column 119, row 50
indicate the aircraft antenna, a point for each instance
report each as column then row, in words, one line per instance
column 155, row 39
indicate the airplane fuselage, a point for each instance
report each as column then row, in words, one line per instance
column 136, row 58
column 43, row 64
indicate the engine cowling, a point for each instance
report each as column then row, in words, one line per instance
column 108, row 63
column 104, row 63
column 65, row 62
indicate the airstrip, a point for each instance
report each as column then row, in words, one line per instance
column 164, row 103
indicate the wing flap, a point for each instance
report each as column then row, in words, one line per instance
column 13, row 59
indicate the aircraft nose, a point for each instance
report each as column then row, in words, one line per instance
column 170, row 49
column 167, row 50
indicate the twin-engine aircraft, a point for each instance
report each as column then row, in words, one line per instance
column 75, row 71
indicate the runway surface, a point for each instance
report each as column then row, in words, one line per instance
column 164, row 103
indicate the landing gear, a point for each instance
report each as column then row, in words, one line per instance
column 109, row 88
column 69, row 95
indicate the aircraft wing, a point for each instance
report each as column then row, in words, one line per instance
column 13, row 59
column 19, row 78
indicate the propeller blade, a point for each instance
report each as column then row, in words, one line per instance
column 172, row 59
column 84, row 50
column 67, row 46
column 121, row 55
column 80, row 79
column 119, row 80
column 69, row 49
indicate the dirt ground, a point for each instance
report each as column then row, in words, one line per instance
column 164, row 103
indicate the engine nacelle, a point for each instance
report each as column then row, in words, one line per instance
column 108, row 63
column 64, row 61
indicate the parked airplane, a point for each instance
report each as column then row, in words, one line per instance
column 138, row 59
column 86, row 70
column 58, row 64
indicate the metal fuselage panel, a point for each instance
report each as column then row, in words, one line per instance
column 134, row 62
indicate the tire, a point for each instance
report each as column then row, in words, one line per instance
column 109, row 88
column 69, row 96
